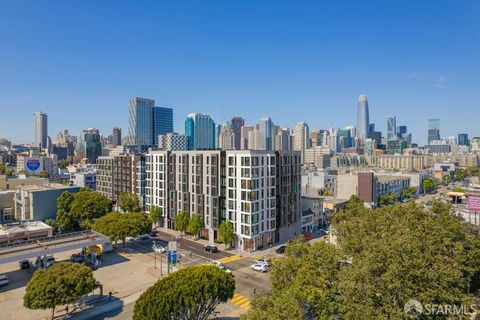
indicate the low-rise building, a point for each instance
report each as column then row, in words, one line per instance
column 39, row 202
column 21, row 231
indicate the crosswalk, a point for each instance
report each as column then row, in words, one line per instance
column 229, row 259
column 240, row 301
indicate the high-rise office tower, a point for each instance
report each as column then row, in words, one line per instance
column 391, row 127
column 363, row 120
column 116, row 137
column 244, row 131
column 89, row 145
column 200, row 131
column 283, row 140
column 401, row 130
column 226, row 137
column 237, row 124
column 463, row 139
column 302, row 138
column 162, row 121
column 265, row 129
column 40, row 123
column 433, row 130
column 140, row 122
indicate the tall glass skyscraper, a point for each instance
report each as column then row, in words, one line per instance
column 147, row 122
column 162, row 121
column 200, row 131
column 140, row 122
column 89, row 145
column 433, row 130
column 265, row 128
column 40, row 123
column 391, row 127
column 463, row 139
column 363, row 120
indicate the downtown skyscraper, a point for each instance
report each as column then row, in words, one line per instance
column 200, row 132
column 363, row 120
column 40, row 123
column 146, row 121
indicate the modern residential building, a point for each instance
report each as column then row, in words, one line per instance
column 237, row 124
column 89, row 145
column 438, row 146
column 39, row 203
column 319, row 156
column 116, row 137
column 40, row 122
column 363, row 119
column 258, row 191
column 200, row 131
column 173, row 142
column 121, row 174
column 85, row 179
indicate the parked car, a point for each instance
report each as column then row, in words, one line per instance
column 3, row 280
column 224, row 268
column 259, row 267
column 24, row 264
column 152, row 233
column 264, row 261
column 129, row 239
column 212, row 249
column 77, row 257
column 144, row 237
column 281, row 250
column 48, row 261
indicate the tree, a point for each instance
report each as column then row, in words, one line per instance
column 65, row 220
column 304, row 284
column 64, row 164
column 226, row 234
column 387, row 199
column 3, row 168
column 88, row 206
column 195, row 224
column 428, row 184
column 461, row 174
column 44, row 174
column 129, row 202
column 446, row 179
column 155, row 214
column 189, row 294
column 118, row 226
column 62, row 283
column 407, row 193
column 181, row 221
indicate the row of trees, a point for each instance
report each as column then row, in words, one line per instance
column 118, row 226
column 384, row 258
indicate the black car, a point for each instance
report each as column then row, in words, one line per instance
column 152, row 233
column 281, row 250
column 24, row 264
column 212, row 249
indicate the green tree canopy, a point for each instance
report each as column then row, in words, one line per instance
column 3, row 168
column 65, row 220
column 64, row 164
column 226, row 233
column 192, row 293
column 181, row 221
column 384, row 258
column 44, row 174
column 88, row 206
column 155, row 214
column 195, row 224
column 408, row 192
column 129, row 202
column 118, row 226
column 428, row 184
column 62, row 283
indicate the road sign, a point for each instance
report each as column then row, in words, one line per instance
column 172, row 257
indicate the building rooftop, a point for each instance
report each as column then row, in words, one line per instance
column 45, row 187
column 15, row 227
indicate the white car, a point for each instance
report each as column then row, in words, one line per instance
column 264, row 261
column 48, row 261
column 3, row 280
column 224, row 268
column 259, row 267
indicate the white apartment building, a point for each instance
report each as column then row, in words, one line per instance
column 258, row 191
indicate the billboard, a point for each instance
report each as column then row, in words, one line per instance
column 473, row 203
column 33, row 165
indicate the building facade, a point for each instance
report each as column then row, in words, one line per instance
column 200, row 131
column 40, row 124
column 363, row 119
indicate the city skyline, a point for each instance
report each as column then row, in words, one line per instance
column 410, row 67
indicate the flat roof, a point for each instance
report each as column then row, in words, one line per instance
column 60, row 243
column 9, row 228
column 45, row 187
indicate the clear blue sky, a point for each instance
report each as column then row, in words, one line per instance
column 80, row 61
